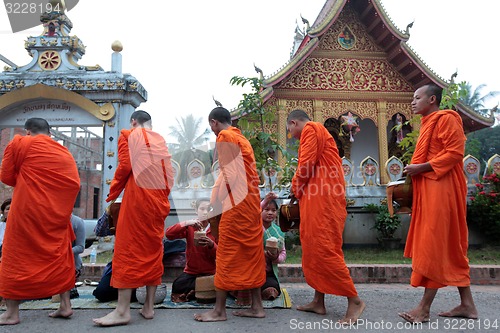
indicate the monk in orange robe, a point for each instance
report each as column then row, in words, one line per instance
column 37, row 260
column 145, row 172
column 319, row 186
column 437, row 240
column 240, row 262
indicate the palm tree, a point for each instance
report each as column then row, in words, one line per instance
column 187, row 133
column 476, row 100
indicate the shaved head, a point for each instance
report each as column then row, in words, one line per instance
column 298, row 115
column 37, row 126
column 220, row 114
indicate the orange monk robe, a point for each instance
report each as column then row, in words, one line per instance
column 319, row 185
column 438, row 237
column 240, row 262
column 145, row 172
column 37, row 259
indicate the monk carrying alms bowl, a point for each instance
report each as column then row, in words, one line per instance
column 400, row 191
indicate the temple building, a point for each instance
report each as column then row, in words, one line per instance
column 353, row 71
column 85, row 106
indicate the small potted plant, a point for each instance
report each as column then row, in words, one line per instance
column 386, row 225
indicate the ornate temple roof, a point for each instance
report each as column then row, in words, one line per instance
column 388, row 37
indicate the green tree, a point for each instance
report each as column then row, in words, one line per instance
column 483, row 144
column 473, row 147
column 188, row 133
column 476, row 99
column 252, row 120
column 451, row 96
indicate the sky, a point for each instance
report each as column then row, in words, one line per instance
column 185, row 52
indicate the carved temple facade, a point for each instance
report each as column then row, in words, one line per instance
column 353, row 71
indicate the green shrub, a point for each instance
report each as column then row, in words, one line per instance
column 483, row 209
column 385, row 224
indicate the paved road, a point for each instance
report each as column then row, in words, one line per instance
column 383, row 303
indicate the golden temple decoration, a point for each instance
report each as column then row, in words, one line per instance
column 49, row 60
column 93, row 68
column 347, row 25
column 393, row 108
column 364, row 75
column 133, row 85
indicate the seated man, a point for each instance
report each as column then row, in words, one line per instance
column 78, row 246
column 3, row 220
column 200, row 252
column 104, row 292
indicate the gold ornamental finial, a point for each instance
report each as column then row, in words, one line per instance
column 117, row 46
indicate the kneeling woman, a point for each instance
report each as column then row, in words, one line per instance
column 271, row 289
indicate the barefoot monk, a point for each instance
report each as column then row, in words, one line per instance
column 437, row 240
column 240, row 262
column 37, row 259
column 319, row 186
column 145, row 174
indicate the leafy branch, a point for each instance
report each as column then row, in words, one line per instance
column 451, row 96
column 252, row 125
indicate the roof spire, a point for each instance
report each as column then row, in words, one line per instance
column 219, row 104
column 306, row 22
column 258, row 70
column 453, row 76
column 407, row 31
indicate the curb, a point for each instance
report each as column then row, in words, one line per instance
column 379, row 273
column 360, row 273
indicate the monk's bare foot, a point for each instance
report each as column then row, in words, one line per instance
column 8, row 319
column 61, row 313
column 313, row 307
column 353, row 313
column 253, row 313
column 147, row 314
column 211, row 315
column 461, row 311
column 113, row 319
column 415, row 316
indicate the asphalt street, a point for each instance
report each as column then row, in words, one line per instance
column 384, row 301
